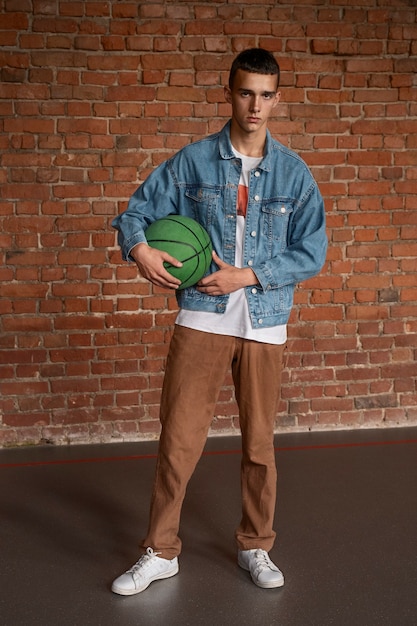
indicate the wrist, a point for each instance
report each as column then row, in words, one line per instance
column 135, row 251
column 249, row 277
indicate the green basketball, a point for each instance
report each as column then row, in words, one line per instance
column 187, row 241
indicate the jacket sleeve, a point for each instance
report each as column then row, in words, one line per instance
column 305, row 253
column 154, row 199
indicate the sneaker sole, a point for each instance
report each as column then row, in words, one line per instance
column 271, row 585
column 132, row 592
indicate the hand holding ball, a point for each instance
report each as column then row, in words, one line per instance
column 187, row 241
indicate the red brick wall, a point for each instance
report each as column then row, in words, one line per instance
column 93, row 95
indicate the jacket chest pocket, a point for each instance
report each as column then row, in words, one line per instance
column 202, row 202
column 275, row 220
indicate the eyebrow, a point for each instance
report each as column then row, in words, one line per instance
column 264, row 93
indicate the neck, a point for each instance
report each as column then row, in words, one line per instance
column 251, row 145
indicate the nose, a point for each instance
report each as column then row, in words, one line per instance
column 256, row 103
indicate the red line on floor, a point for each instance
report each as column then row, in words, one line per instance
column 137, row 457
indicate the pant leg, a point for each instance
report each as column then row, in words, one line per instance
column 257, row 372
column 196, row 367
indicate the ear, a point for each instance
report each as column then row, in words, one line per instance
column 228, row 95
column 277, row 99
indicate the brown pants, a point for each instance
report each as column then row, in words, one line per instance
column 196, row 367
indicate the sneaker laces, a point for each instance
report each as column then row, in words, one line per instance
column 144, row 561
column 262, row 562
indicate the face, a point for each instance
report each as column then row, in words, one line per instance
column 253, row 98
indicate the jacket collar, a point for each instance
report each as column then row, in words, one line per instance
column 226, row 150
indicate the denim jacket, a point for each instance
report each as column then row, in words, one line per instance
column 285, row 240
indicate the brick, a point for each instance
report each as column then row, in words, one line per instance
column 69, row 168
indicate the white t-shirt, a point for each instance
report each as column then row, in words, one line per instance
column 235, row 321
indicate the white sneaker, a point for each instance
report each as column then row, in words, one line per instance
column 263, row 571
column 150, row 567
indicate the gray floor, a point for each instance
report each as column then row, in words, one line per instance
column 346, row 520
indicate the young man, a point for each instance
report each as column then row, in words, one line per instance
column 265, row 217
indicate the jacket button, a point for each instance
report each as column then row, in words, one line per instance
column 260, row 321
column 257, row 198
column 257, row 173
column 253, row 233
column 250, row 262
column 254, row 290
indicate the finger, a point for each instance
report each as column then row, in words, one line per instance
column 171, row 281
column 167, row 284
column 172, row 260
column 210, row 290
column 207, row 280
column 162, row 278
column 218, row 261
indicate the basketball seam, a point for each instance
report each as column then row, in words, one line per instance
column 172, row 218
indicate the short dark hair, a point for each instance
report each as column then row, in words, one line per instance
column 256, row 61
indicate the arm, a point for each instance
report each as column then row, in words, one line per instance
column 154, row 199
column 306, row 248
